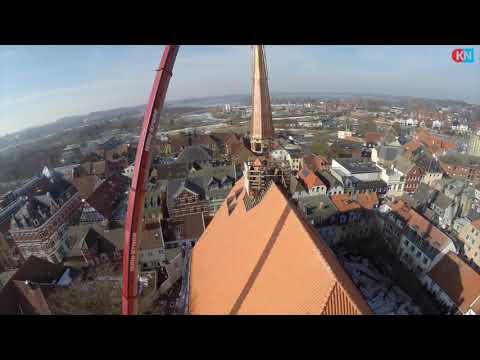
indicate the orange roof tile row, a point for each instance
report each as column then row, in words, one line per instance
column 412, row 146
column 372, row 137
column 434, row 236
column 309, row 178
column 267, row 260
column 476, row 224
column 355, row 139
column 458, row 280
column 401, row 208
column 434, row 144
column 346, row 203
column 315, row 162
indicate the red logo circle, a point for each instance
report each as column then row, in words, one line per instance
column 458, row 55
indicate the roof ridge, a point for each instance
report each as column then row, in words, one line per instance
column 323, row 250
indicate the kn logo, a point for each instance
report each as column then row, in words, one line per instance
column 463, row 56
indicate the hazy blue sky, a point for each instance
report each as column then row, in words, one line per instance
column 39, row 84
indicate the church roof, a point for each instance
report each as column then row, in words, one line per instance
column 267, row 260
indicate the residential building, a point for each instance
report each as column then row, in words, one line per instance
column 86, row 184
column 412, row 173
column 418, row 243
column 334, row 186
column 342, row 134
column 155, row 202
column 214, row 183
column 185, row 197
column 474, row 145
column 307, row 183
column 23, row 293
column 169, row 171
column 461, row 167
column 469, row 235
column 112, row 149
column 115, row 166
column 97, row 168
column 195, row 155
column 394, row 179
column 386, row 155
column 39, row 227
column 341, row 217
column 373, row 139
column 316, row 163
column 459, row 191
column 100, row 206
column 71, row 154
column 434, row 144
column 436, row 206
column 5, row 261
column 455, row 285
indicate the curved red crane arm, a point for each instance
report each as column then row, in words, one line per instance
column 140, row 177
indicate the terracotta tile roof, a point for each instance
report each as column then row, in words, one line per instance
column 315, row 162
column 401, row 208
column 346, row 203
column 373, row 137
column 239, row 152
column 476, row 224
column 434, row 143
column 309, row 178
column 458, row 280
column 355, row 139
column 368, row 200
column 267, row 260
column 436, row 238
column 412, row 146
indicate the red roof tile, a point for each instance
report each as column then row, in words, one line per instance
column 315, row 162
column 309, row 178
column 458, row 280
column 373, row 137
column 346, row 203
column 433, row 235
column 267, row 260
column 476, row 224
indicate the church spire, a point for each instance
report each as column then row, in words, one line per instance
column 261, row 125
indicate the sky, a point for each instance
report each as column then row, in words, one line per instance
column 40, row 84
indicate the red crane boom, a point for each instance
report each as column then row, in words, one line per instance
column 133, row 224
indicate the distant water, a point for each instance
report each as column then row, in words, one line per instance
column 202, row 117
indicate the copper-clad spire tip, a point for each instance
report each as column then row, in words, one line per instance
column 261, row 125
